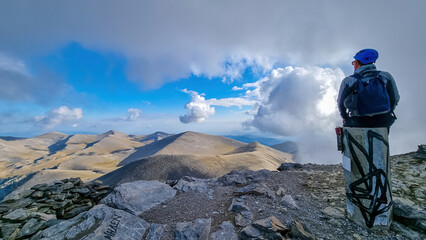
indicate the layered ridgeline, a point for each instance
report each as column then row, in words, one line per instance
column 123, row 157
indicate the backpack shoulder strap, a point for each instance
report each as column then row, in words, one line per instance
column 356, row 75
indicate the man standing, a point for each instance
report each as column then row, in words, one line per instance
column 368, row 97
column 366, row 103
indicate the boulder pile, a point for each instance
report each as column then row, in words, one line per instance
column 44, row 205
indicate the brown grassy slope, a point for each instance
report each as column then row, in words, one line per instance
column 187, row 143
column 253, row 156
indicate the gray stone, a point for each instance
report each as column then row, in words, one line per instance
column 155, row 232
column 60, row 197
column 186, row 184
column 67, row 186
column 250, row 233
column 43, row 216
column 227, row 231
column 255, row 189
column 75, row 181
column 234, row 178
column 289, row 166
column 18, row 215
column 40, row 187
column 238, row 206
column 299, row 231
column 21, row 203
column 268, row 228
column 83, row 191
column 280, row 191
column 406, row 209
column 14, row 197
column 289, row 202
column 58, row 182
column 31, row 226
column 75, row 211
column 140, row 196
column 101, row 222
column 198, row 230
column 332, row 212
column 8, row 228
column 406, row 232
column 243, row 218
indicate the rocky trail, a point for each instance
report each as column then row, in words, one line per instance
column 298, row 202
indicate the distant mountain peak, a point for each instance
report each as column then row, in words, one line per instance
column 52, row 135
column 110, row 133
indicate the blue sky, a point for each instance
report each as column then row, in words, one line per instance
column 266, row 68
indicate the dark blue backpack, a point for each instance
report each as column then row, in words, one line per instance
column 373, row 97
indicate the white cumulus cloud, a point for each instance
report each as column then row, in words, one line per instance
column 59, row 116
column 133, row 114
column 296, row 101
column 199, row 108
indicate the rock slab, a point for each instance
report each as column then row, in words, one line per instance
column 138, row 197
column 198, row 230
column 268, row 228
column 101, row 222
column 227, row 231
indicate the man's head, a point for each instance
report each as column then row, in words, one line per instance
column 366, row 56
column 356, row 64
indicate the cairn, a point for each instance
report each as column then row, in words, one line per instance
column 24, row 214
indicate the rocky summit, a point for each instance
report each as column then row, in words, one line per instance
column 301, row 201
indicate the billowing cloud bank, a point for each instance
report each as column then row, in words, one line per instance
column 59, row 116
column 293, row 101
column 299, row 102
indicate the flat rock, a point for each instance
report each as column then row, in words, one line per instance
column 227, row 231
column 138, row 197
column 243, row 177
column 255, row 189
column 332, row 212
column 8, row 228
column 289, row 202
column 238, row 205
column 155, row 232
column 289, row 166
column 101, row 222
column 17, row 215
column 21, row 203
column 243, row 218
column 31, row 226
column 406, row 209
column 406, row 232
column 186, row 184
column 300, row 232
column 268, row 228
column 198, row 230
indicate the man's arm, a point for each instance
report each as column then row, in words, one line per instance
column 343, row 93
column 392, row 90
